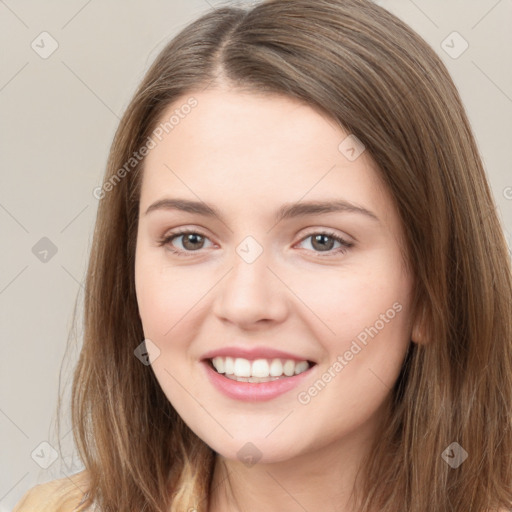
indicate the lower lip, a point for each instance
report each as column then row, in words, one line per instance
column 254, row 391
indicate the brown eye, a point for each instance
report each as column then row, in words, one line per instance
column 192, row 241
column 323, row 242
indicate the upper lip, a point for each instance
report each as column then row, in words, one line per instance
column 253, row 353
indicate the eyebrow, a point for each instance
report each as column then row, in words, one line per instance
column 286, row 211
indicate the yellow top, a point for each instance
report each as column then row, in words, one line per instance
column 62, row 495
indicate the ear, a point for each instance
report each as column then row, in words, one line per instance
column 419, row 328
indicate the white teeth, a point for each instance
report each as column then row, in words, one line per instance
column 276, row 368
column 259, row 370
column 289, row 368
column 301, row 367
column 242, row 367
column 251, row 379
column 218, row 362
column 229, row 365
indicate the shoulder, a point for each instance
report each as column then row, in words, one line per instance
column 62, row 495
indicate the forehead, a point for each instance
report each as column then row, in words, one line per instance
column 246, row 124
column 255, row 150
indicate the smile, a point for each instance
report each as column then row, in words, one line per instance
column 258, row 370
column 256, row 380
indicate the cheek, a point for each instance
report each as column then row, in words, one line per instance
column 369, row 314
column 154, row 298
column 349, row 300
column 364, row 356
column 163, row 293
column 165, row 303
column 168, row 307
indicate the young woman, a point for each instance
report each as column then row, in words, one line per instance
column 299, row 295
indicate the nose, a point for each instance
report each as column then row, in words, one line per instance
column 251, row 294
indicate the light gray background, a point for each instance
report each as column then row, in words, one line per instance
column 58, row 117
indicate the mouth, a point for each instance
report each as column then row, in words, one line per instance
column 257, row 371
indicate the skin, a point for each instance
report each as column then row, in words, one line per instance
column 247, row 155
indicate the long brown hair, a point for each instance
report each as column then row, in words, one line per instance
column 380, row 81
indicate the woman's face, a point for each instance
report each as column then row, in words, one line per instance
column 263, row 285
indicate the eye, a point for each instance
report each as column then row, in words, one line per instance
column 324, row 241
column 192, row 241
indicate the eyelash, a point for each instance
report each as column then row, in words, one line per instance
column 166, row 240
